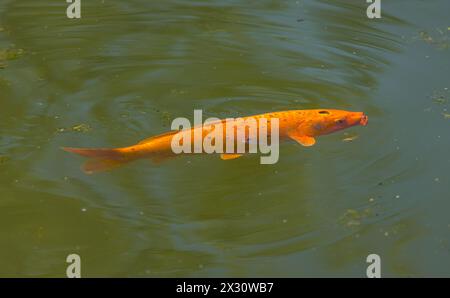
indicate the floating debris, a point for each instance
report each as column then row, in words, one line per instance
column 81, row 128
column 442, row 97
column 439, row 99
column 350, row 138
column 426, row 37
column 440, row 40
column 77, row 128
column 8, row 54
column 352, row 223
column 352, row 217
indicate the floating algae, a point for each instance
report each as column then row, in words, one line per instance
column 446, row 115
column 426, row 37
column 9, row 54
column 440, row 40
column 353, row 217
column 440, row 97
column 82, row 128
column 76, row 128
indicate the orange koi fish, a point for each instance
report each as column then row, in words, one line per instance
column 302, row 126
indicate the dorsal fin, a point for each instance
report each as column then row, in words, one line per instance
column 158, row 136
column 173, row 132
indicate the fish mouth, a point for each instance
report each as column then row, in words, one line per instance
column 364, row 120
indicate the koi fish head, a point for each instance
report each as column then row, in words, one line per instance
column 327, row 121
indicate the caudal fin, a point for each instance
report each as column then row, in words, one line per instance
column 101, row 159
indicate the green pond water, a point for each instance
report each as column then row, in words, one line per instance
column 126, row 69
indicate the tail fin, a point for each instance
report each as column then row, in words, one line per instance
column 101, row 159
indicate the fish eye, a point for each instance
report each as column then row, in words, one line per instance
column 324, row 112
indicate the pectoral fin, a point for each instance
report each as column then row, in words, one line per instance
column 226, row 156
column 302, row 139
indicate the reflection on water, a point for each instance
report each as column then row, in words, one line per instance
column 126, row 69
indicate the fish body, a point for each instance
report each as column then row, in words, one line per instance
column 302, row 126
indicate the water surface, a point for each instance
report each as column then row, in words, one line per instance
column 127, row 68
